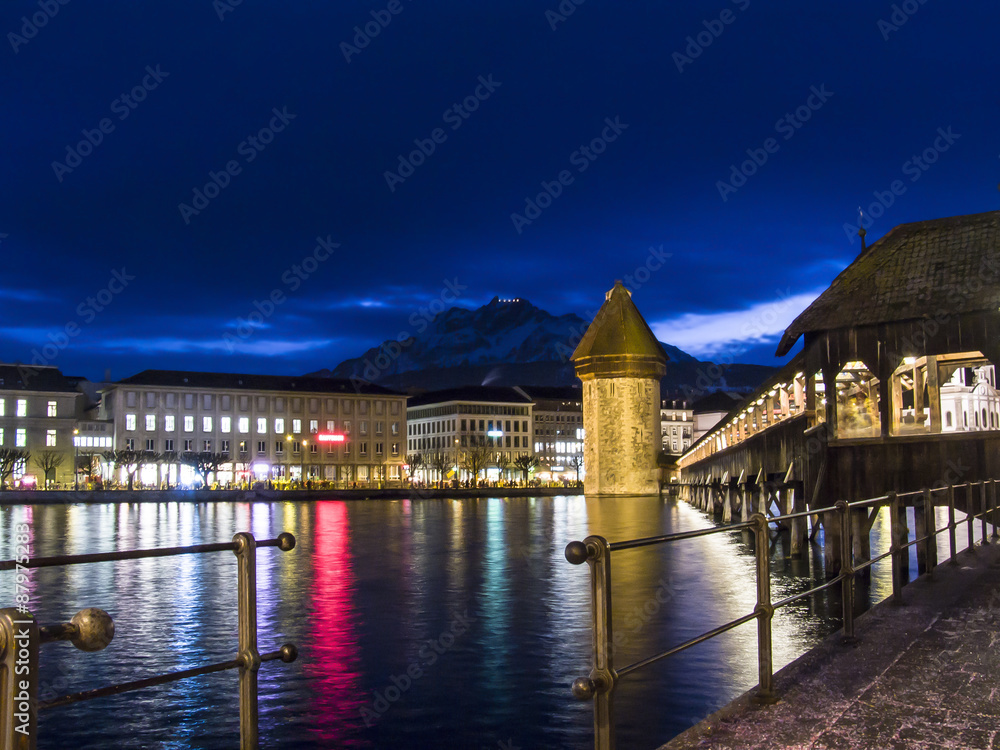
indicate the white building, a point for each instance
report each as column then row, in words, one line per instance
column 443, row 425
column 276, row 428
column 676, row 426
column 970, row 401
column 559, row 431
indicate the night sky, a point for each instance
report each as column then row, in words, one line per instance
column 129, row 254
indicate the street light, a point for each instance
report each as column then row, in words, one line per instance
column 302, row 479
column 76, row 460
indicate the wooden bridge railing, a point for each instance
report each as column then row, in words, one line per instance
column 841, row 525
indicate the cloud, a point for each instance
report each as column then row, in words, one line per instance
column 732, row 331
column 24, row 295
column 256, row 347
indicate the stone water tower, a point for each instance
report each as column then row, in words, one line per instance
column 620, row 363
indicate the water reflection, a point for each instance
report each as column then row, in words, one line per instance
column 451, row 624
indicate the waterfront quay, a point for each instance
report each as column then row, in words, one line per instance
column 925, row 674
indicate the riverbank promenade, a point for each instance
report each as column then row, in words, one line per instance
column 925, row 674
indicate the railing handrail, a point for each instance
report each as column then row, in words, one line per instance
column 93, row 629
column 596, row 551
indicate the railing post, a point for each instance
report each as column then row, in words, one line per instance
column 764, row 610
column 993, row 507
column 920, row 531
column 930, row 521
column 846, row 568
column 596, row 551
column 246, row 556
column 951, row 524
column 971, row 516
column 18, row 680
column 895, row 533
column 982, row 506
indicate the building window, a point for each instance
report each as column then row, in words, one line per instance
column 51, row 410
column 395, row 428
column 279, row 426
column 171, row 400
column 296, row 426
column 150, row 422
column 279, row 405
column 244, row 425
column 279, row 447
column 313, row 426
column 244, row 403
column 1, row 435
column 188, row 446
column 2, row 407
column 362, row 428
column 261, row 447
column 206, row 446
column 206, row 424
column 363, row 449
column 129, row 421
column 188, row 424
column 130, row 398
column 168, row 423
column 378, row 449
column 244, row 447
column 130, row 444
column 168, row 444
column 296, row 447
column 225, row 447
column 314, row 447
column 261, row 426
column 226, row 403
column 188, row 400
column 50, row 438
column 347, row 427
column 330, row 425
column 150, row 445
column 395, row 449
column 226, row 424
column 296, row 404
column 378, row 428
column 262, row 403
column 206, row 401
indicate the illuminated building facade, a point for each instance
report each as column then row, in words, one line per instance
column 559, row 431
column 39, row 408
column 450, row 423
column 276, row 428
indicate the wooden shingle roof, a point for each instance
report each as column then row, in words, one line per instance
column 926, row 269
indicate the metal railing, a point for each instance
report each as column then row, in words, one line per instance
column 93, row 629
column 841, row 525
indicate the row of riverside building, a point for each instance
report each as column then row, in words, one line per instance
column 286, row 429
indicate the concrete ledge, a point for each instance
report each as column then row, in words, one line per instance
column 880, row 691
column 61, row 497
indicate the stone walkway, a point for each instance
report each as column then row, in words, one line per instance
column 923, row 675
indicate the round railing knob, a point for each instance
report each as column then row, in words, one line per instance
column 577, row 553
column 584, row 688
column 288, row 651
column 286, row 541
column 94, row 629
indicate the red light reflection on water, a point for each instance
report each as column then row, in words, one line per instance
column 333, row 662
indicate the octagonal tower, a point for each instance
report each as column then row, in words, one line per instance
column 620, row 363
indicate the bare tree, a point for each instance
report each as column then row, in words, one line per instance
column 413, row 462
column 47, row 463
column 10, row 460
column 577, row 463
column 128, row 459
column 475, row 460
column 526, row 463
column 503, row 462
column 440, row 462
column 205, row 463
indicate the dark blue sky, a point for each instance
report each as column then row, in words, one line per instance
column 742, row 262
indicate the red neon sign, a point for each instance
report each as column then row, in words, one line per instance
column 330, row 437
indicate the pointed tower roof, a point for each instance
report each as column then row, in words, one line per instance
column 619, row 342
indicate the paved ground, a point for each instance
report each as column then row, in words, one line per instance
column 923, row 675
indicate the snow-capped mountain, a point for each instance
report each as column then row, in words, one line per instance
column 503, row 333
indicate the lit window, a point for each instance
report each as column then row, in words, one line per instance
column 50, row 438
column 262, row 425
column 244, row 425
column 313, row 426
column 206, row 424
column 1, row 435
column 296, row 425
column 51, row 410
column 21, row 437
column 188, row 424
column 226, row 424
column 150, row 422
column 279, row 426
column 130, row 421
column 168, row 423
column 22, row 407
column 2, row 407
column 329, row 425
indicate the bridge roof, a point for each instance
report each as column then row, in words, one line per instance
column 920, row 270
column 619, row 329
